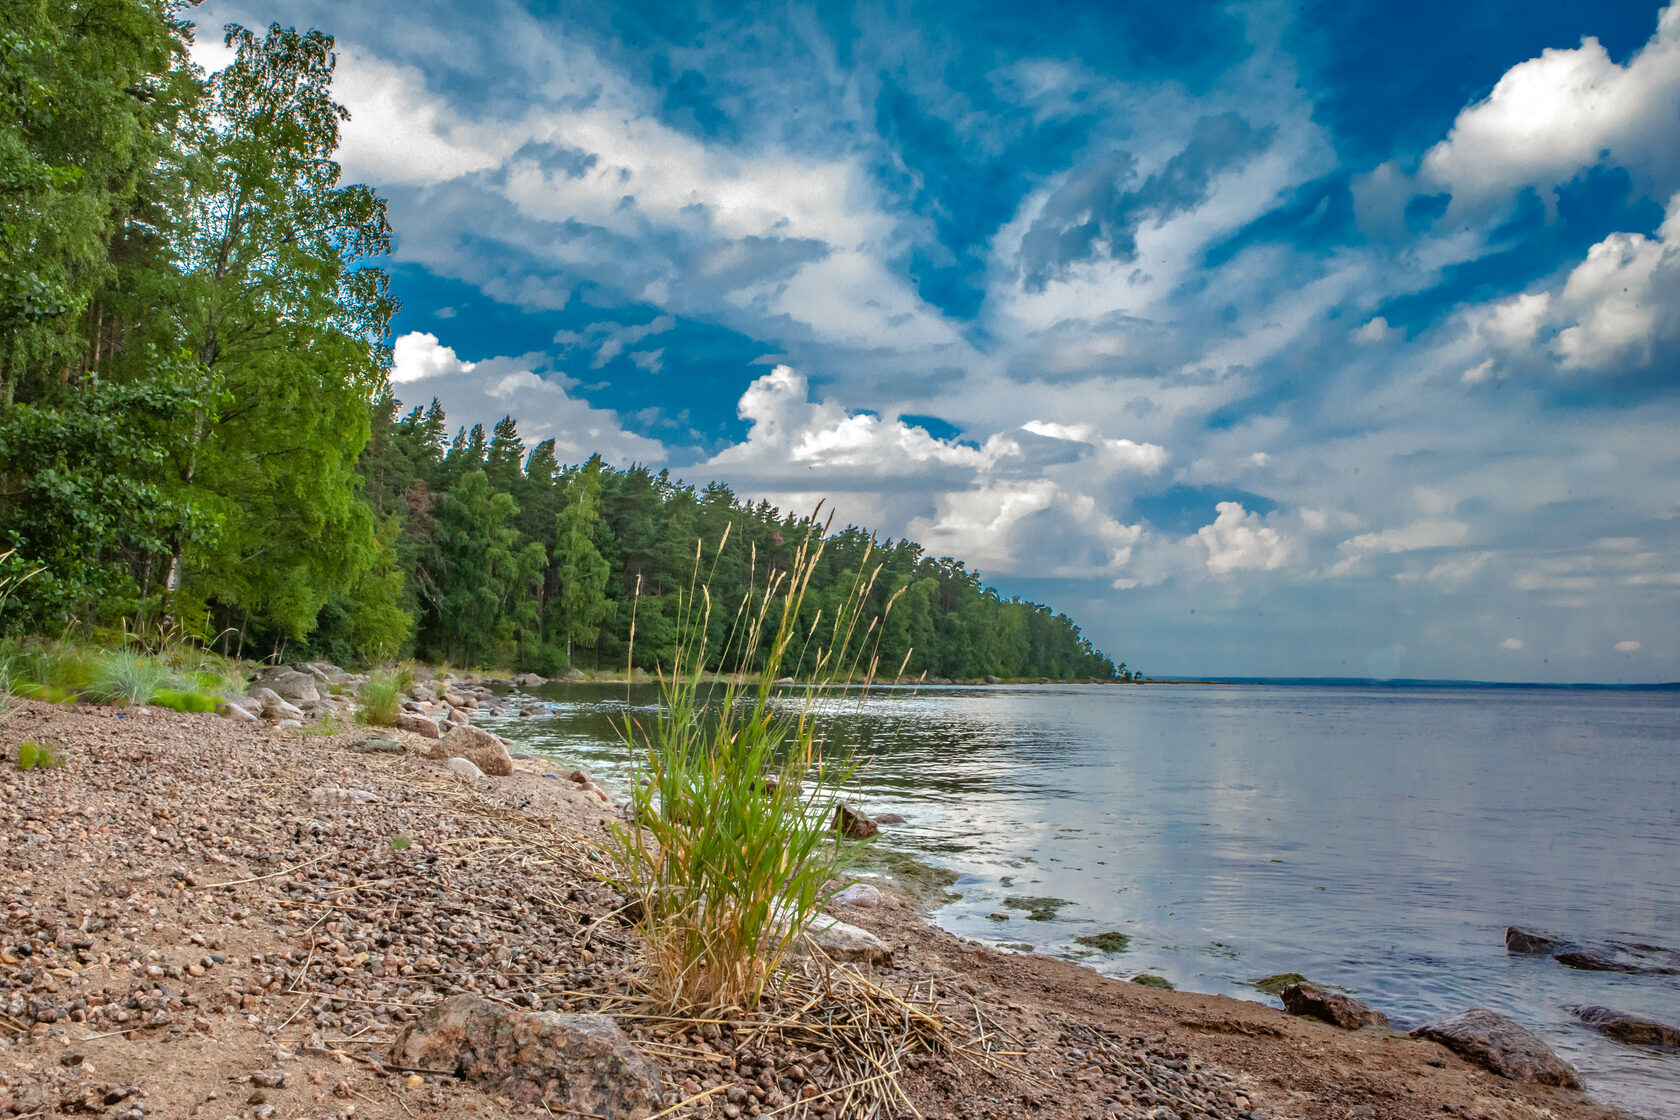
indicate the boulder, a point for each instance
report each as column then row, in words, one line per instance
column 1632, row 1029
column 376, row 744
column 1501, row 1045
column 262, row 695
column 420, row 725
column 574, row 674
column 530, row 680
column 889, row 818
column 478, row 746
column 1313, row 1002
column 288, row 725
column 1595, row 956
column 460, row 699
column 1520, row 940
column 289, row 684
column 852, row 824
column 840, row 941
column 859, row 894
column 279, row 709
column 463, row 768
column 580, row 1065
column 236, row 713
column 1619, row 956
column 993, row 680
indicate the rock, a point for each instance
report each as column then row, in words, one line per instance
column 477, row 745
column 420, row 725
column 288, row 725
column 1595, row 956
column 1505, row 1047
column 269, row 1079
column 1520, row 940
column 530, row 680
column 859, row 894
column 888, row 818
column 840, row 941
column 852, row 824
column 1111, row 942
column 463, row 768
column 288, row 684
column 1632, row 1029
column 1274, row 984
column 460, row 699
column 1619, row 956
column 262, row 695
column 574, row 674
column 236, row 713
column 1150, row 980
column 376, row 744
column 279, row 709
column 581, row 1063
column 993, row 680
column 1313, row 1002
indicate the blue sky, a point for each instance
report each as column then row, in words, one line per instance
column 1273, row 339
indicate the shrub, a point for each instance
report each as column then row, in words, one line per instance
column 379, row 699
column 124, row 677
column 184, row 701
column 730, row 853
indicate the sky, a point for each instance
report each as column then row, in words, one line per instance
column 1306, row 339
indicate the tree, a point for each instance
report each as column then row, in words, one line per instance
column 581, row 571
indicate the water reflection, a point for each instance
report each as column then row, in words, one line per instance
column 1375, row 839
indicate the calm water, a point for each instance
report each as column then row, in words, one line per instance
column 1375, row 839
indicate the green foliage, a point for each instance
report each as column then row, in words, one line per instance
column 126, row 677
column 37, row 756
column 399, row 843
column 184, row 701
column 730, row 851
column 379, row 699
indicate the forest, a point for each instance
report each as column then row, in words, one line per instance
column 198, row 435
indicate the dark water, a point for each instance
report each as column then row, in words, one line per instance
column 1375, row 839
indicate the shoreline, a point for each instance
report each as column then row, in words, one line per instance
column 205, row 901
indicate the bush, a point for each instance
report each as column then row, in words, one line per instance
column 379, row 699
column 123, row 677
column 184, row 701
column 729, row 852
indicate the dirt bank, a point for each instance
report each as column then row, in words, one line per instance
column 216, row 920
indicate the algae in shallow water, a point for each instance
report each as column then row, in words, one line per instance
column 1111, row 942
column 1038, row 909
column 1150, row 980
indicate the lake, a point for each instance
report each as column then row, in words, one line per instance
column 1378, row 839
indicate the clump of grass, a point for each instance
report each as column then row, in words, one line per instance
column 327, row 725
column 37, row 756
column 126, row 677
column 182, row 700
column 379, row 699
column 729, row 853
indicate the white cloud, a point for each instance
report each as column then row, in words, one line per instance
column 1375, row 331
column 1511, row 644
column 1240, row 540
column 1627, row 647
column 1550, row 117
column 1407, row 538
column 484, row 391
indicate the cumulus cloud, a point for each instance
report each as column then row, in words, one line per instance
column 1239, row 540
column 1617, row 313
column 1627, row 647
column 484, row 391
column 1551, row 117
column 1512, row 644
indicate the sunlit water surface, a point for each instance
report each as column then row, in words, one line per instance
column 1376, row 839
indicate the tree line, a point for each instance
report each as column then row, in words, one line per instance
column 197, row 431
